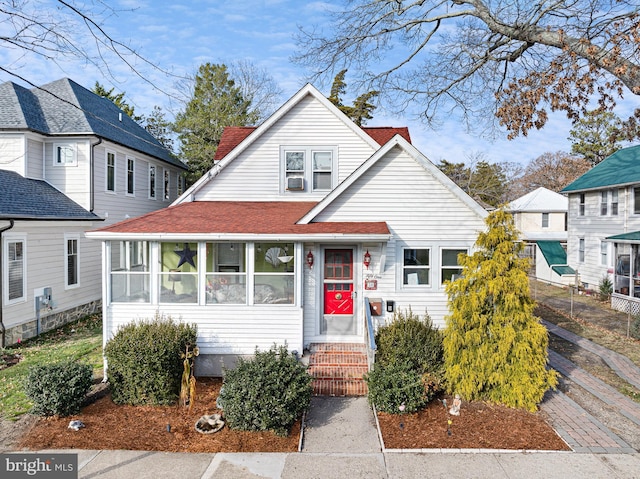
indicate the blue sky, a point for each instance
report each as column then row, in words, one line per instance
column 180, row 35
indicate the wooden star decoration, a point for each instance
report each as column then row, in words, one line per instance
column 186, row 255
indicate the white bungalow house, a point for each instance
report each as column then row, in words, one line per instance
column 305, row 225
column 604, row 225
column 541, row 218
column 70, row 161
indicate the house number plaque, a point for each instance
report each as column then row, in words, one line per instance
column 370, row 284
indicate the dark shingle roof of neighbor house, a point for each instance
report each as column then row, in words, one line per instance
column 63, row 107
column 24, row 198
column 621, row 168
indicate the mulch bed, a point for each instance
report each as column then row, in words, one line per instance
column 479, row 425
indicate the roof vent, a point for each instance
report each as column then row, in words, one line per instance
column 120, row 117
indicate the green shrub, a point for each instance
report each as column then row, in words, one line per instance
column 268, row 392
column 410, row 340
column 397, row 388
column 605, row 288
column 143, row 360
column 58, row 389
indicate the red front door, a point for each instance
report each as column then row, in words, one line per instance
column 338, row 292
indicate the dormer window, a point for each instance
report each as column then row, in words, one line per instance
column 308, row 169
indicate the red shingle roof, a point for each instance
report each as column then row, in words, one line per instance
column 238, row 217
column 232, row 136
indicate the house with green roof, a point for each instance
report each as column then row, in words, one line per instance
column 70, row 161
column 604, row 224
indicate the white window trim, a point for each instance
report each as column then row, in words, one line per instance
column 68, row 237
column 14, row 238
column 106, row 171
column 308, row 167
column 548, row 216
column 401, row 267
column 133, row 193
column 582, row 205
column 152, row 192
column 582, row 252
column 74, row 150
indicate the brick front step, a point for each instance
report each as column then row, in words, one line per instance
column 338, row 369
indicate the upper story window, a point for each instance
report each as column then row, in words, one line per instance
column 64, row 154
column 308, row 169
column 152, row 181
column 636, row 200
column 581, row 202
column 165, row 189
column 545, row 220
column 416, row 267
column 604, row 198
column 614, row 202
column 131, row 176
column 111, row 171
column 180, row 184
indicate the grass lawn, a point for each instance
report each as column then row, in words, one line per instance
column 80, row 341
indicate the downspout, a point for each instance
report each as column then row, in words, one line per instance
column 2, row 328
column 91, row 173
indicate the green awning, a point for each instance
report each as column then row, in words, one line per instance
column 633, row 237
column 555, row 256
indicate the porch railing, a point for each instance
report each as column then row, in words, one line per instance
column 370, row 339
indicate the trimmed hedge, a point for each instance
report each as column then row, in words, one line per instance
column 268, row 392
column 143, row 359
column 58, row 389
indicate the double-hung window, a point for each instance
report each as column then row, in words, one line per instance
column 450, row 268
column 636, row 200
column 308, row 169
column 152, row 181
column 72, row 273
column 111, row 171
column 581, row 248
column 131, row 176
column 16, row 270
column 545, row 220
column 604, row 198
column 581, row 204
column 614, row 202
column 416, row 267
column 64, row 154
column 180, row 184
column 604, row 249
column 165, row 186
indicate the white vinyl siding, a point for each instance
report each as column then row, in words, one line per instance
column 257, row 173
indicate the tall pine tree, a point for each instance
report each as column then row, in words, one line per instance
column 217, row 102
column 495, row 349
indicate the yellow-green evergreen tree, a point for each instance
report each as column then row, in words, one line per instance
column 495, row 349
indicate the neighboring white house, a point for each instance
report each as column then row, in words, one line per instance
column 541, row 218
column 299, row 221
column 604, row 223
column 70, row 161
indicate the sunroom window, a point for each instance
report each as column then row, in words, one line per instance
column 129, row 271
column 274, row 273
column 226, row 280
column 178, row 273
